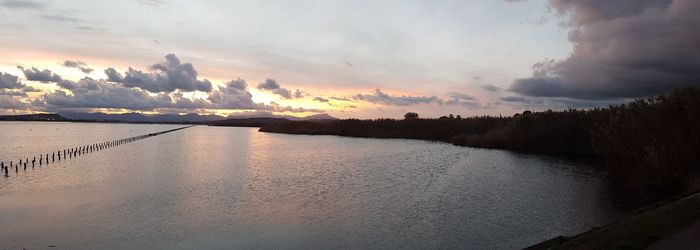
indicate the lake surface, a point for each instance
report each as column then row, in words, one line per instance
column 220, row 187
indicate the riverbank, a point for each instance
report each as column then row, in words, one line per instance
column 650, row 145
column 665, row 225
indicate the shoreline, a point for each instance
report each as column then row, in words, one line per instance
column 636, row 229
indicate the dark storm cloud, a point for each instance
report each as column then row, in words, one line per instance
column 21, row 4
column 491, row 87
column 379, row 97
column 518, row 99
column 78, row 65
column 167, row 76
column 272, row 86
column 45, row 76
column 8, row 81
column 557, row 103
column 622, row 49
column 588, row 11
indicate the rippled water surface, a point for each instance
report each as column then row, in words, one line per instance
column 217, row 187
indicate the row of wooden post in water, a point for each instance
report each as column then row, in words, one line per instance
column 46, row 159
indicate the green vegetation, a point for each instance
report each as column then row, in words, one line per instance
column 639, row 231
column 651, row 145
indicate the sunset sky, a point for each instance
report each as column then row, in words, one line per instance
column 359, row 59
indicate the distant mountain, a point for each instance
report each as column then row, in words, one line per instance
column 33, row 117
column 138, row 117
column 317, row 117
column 245, row 115
column 176, row 118
column 247, row 122
column 254, row 120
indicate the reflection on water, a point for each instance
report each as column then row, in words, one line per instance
column 212, row 187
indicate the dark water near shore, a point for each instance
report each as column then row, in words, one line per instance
column 217, row 187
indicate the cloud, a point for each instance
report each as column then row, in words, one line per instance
column 152, row 3
column 518, row 99
column 491, row 87
column 463, row 100
column 28, row 89
column 5, row 92
column 91, row 94
column 45, row 76
column 166, row 76
column 8, row 81
column 556, row 103
column 272, row 86
column 9, row 102
column 283, row 93
column 21, row 4
column 234, row 95
column 88, row 94
column 321, row 99
column 300, row 94
column 379, row 97
column 269, row 84
column 78, row 65
column 101, row 94
column 622, row 49
column 162, row 89
column 345, row 99
column 61, row 18
column 459, row 96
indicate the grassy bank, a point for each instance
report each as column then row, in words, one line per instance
column 650, row 145
column 641, row 230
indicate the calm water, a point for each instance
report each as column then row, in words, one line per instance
column 215, row 187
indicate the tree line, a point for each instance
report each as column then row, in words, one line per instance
column 651, row 146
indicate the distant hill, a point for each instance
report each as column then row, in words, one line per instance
column 33, row 117
column 187, row 118
column 316, row 117
column 138, row 117
column 244, row 121
column 253, row 119
column 288, row 117
column 248, row 122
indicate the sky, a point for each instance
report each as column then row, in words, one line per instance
column 350, row 59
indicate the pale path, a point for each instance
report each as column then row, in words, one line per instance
column 686, row 238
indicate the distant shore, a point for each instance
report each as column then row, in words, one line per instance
column 650, row 145
column 234, row 122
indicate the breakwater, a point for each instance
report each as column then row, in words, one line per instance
column 45, row 159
